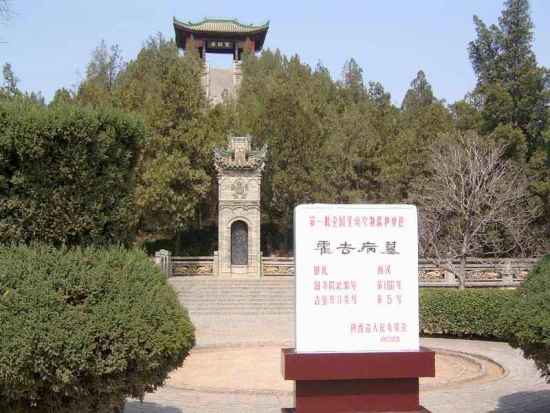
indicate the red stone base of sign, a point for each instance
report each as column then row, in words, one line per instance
column 357, row 382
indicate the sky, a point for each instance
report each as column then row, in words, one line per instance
column 49, row 42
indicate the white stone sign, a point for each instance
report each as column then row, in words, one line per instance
column 356, row 278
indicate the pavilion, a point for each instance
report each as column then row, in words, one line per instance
column 220, row 36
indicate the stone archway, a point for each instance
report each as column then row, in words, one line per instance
column 239, row 243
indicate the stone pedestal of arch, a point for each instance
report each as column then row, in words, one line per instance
column 239, row 182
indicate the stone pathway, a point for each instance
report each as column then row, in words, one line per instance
column 521, row 390
column 259, row 371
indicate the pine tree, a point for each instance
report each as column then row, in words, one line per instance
column 9, row 88
column 176, row 175
column 514, row 89
column 423, row 118
column 419, row 95
column 514, row 92
column 284, row 103
column 352, row 80
column 62, row 96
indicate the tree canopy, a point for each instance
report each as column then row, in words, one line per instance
column 513, row 92
column 330, row 140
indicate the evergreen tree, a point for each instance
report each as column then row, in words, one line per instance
column 176, row 174
column 101, row 75
column 361, row 136
column 106, row 64
column 329, row 141
column 515, row 94
column 419, row 95
column 466, row 116
column 284, row 104
column 423, row 119
column 514, row 89
column 9, row 88
column 378, row 95
column 61, row 97
column 352, row 79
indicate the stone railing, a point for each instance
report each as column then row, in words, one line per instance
column 480, row 272
column 277, row 266
column 189, row 266
column 201, row 266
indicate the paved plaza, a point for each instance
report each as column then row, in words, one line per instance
column 518, row 389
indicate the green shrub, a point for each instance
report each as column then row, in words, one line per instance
column 83, row 329
column 66, row 173
column 530, row 317
column 465, row 313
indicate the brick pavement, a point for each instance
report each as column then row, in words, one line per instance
column 521, row 390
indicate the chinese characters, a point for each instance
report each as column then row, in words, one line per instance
column 367, row 247
column 349, row 221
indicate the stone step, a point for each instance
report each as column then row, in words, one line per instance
column 242, row 312
column 236, row 300
column 242, row 307
column 226, row 303
column 238, row 308
column 225, row 306
column 218, row 279
column 207, row 296
column 229, row 301
column 206, row 301
column 235, row 297
column 259, row 288
column 235, row 293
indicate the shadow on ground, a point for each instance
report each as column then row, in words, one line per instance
column 138, row 407
column 524, row 402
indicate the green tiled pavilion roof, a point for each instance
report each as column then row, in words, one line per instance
column 221, row 26
column 221, row 29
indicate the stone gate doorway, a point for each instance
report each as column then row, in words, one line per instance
column 239, row 243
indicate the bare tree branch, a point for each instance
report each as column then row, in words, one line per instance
column 474, row 203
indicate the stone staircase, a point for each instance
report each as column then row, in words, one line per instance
column 208, row 296
column 221, row 85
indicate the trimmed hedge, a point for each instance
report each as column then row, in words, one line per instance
column 530, row 317
column 66, row 173
column 479, row 313
column 83, row 329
